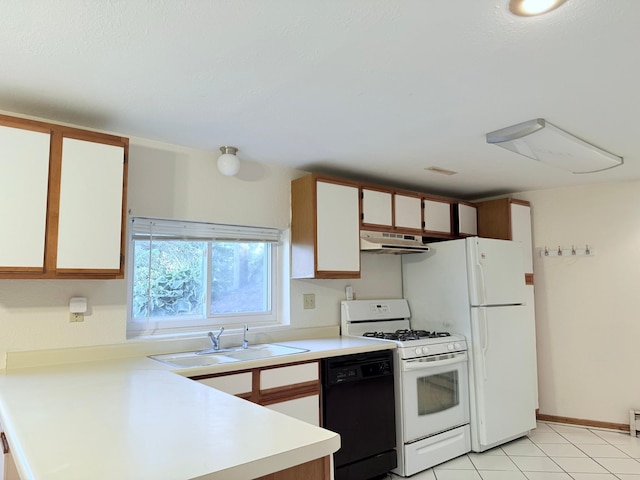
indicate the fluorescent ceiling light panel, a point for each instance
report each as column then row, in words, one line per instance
column 542, row 141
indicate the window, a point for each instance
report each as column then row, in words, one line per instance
column 185, row 276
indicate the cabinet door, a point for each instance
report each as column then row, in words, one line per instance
column 24, row 167
column 306, row 409
column 289, row 375
column 235, row 384
column 376, row 208
column 521, row 232
column 437, row 216
column 337, row 228
column 467, row 220
column 91, row 197
column 408, row 214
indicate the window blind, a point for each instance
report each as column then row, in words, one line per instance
column 144, row 228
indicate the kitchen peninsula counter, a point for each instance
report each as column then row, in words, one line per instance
column 135, row 419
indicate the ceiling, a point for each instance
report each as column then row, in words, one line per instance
column 371, row 89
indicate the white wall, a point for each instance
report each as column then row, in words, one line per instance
column 175, row 182
column 588, row 330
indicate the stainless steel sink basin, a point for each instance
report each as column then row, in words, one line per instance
column 200, row 359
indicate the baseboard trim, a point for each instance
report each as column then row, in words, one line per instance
column 580, row 421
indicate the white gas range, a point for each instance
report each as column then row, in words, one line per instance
column 431, row 382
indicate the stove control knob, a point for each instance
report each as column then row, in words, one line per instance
column 418, row 351
column 457, row 345
column 450, row 346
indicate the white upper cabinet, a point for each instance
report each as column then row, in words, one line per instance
column 337, row 232
column 377, row 208
column 90, row 222
column 325, row 228
column 521, row 232
column 467, row 220
column 508, row 219
column 24, row 175
column 389, row 210
column 408, row 212
column 62, row 201
column 437, row 217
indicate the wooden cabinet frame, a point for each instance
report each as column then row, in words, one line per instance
column 304, row 229
column 272, row 395
column 58, row 133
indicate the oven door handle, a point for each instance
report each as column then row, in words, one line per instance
column 421, row 364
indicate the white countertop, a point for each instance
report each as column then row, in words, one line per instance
column 135, row 419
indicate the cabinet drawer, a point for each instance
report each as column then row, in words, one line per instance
column 283, row 376
column 236, row 384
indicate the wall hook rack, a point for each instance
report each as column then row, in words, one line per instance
column 587, row 251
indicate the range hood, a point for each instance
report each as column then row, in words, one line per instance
column 393, row 243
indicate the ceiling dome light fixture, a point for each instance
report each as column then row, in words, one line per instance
column 530, row 8
column 228, row 163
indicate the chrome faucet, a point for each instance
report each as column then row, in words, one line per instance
column 215, row 339
column 245, row 342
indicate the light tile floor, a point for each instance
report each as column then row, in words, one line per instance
column 551, row 452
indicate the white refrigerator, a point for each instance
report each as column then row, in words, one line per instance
column 476, row 287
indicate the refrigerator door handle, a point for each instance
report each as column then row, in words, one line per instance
column 479, row 284
column 484, row 341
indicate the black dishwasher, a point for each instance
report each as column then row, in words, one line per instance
column 358, row 403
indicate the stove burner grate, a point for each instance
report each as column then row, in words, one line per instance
column 405, row 334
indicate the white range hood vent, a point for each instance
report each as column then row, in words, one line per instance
column 391, row 243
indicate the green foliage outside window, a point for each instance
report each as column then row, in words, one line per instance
column 173, row 282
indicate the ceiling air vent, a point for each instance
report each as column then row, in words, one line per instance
column 441, row 171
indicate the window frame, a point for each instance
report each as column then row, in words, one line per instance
column 205, row 232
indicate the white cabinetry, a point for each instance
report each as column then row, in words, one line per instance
column 437, row 217
column 377, row 208
column 90, row 221
column 24, row 167
column 467, row 220
column 408, row 212
column 236, row 384
column 304, row 408
column 292, row 389
column 62, row 201
column 521, row 232
column 389, row 210
column 325, row 228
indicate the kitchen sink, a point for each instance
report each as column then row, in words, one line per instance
column 200, row 359
column 265, row 350
column 192, row 359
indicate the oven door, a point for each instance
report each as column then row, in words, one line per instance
column 434, row 394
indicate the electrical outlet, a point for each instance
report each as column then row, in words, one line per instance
column 76, row 317
column 309, row 300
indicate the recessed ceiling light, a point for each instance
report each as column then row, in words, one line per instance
column 529, row 8
column 441, row 171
